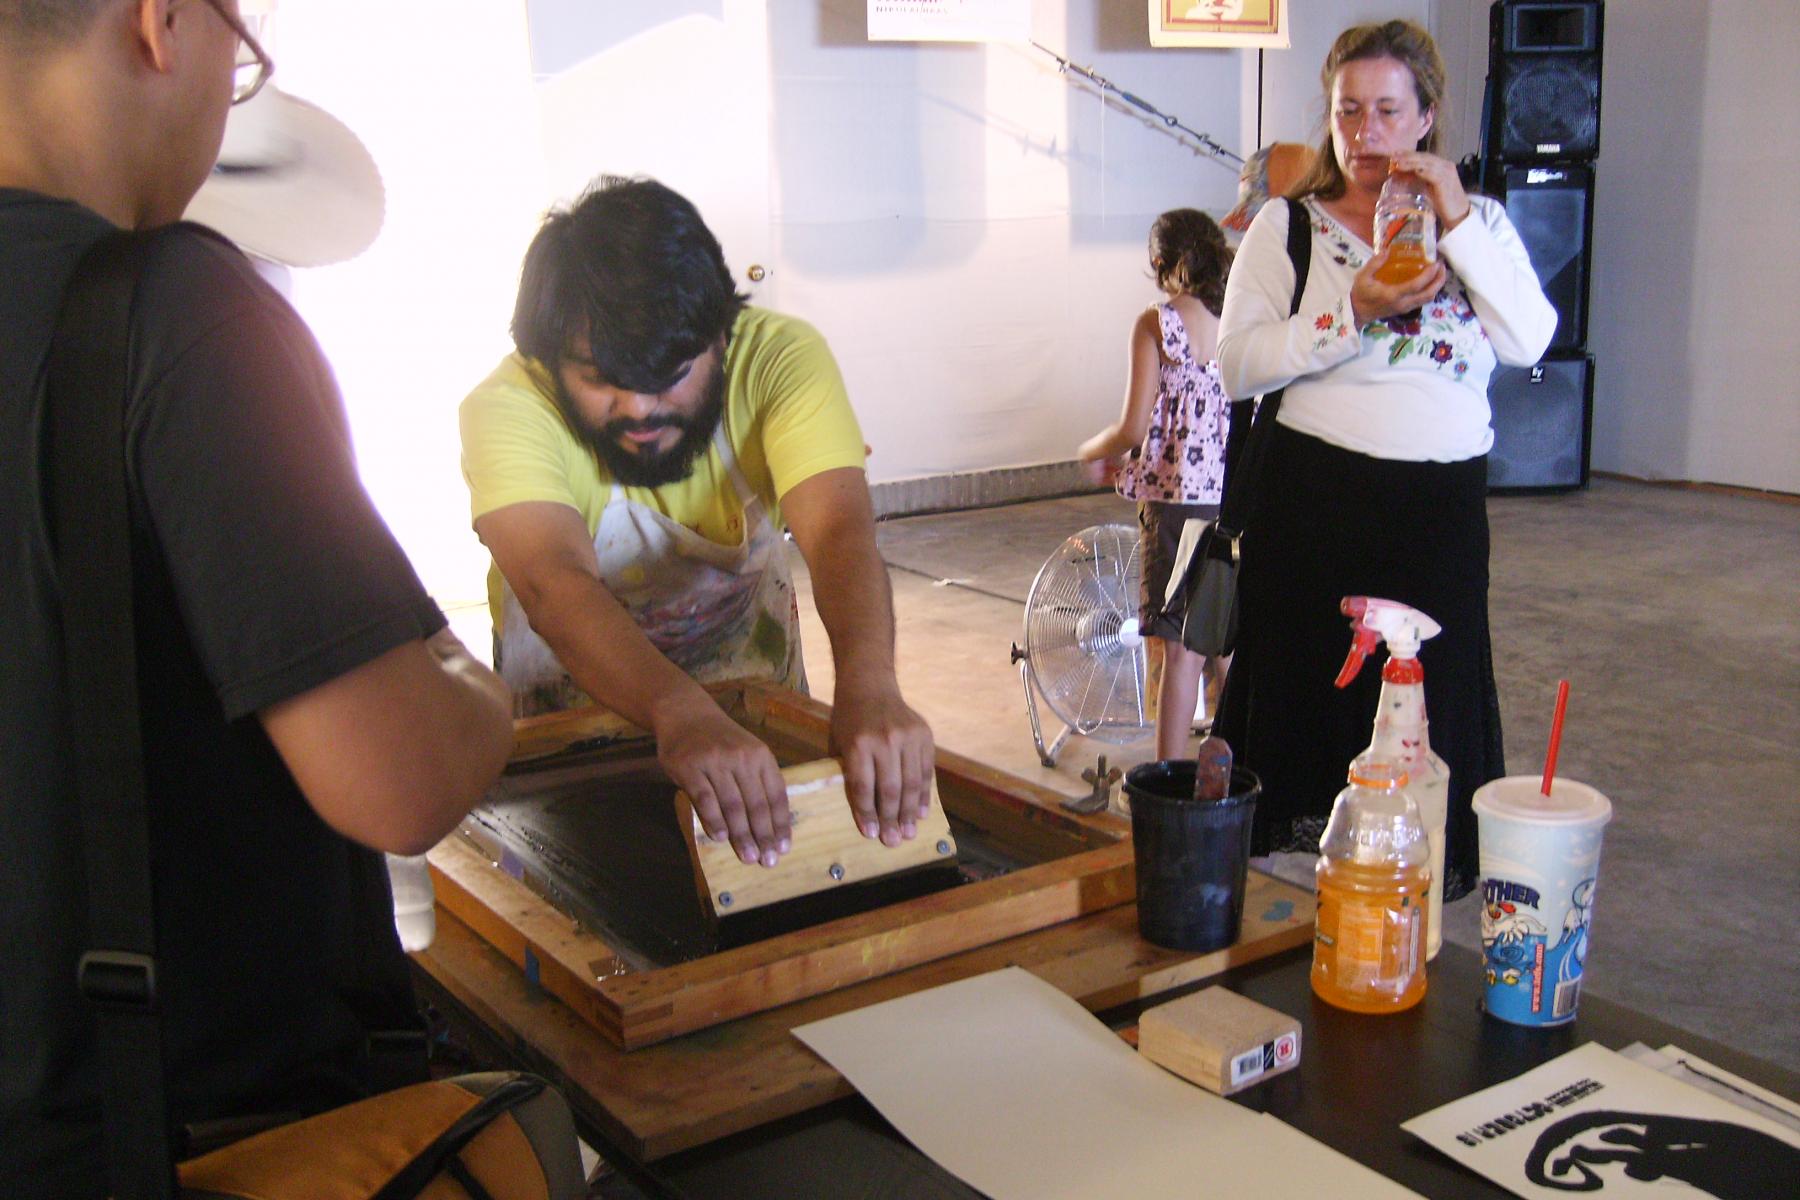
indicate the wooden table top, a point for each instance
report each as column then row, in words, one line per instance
column 1359, row 1076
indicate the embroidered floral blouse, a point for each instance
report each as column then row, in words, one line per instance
column 1182, row 460
column 1411, row 387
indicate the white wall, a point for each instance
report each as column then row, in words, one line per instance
column 967, row 226
column 1696, row 257
column 440, row 92
column 1743, row 414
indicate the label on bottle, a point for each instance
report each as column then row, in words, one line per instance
column 1378, row 945
column 1409, row 963
column 1361, row 930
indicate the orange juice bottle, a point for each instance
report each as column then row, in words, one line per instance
column 1373, row 878
column 1406, row 222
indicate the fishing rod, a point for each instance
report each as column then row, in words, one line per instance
column 1207, row 144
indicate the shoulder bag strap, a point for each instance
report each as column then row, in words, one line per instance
column 1241, row 484
column 86, row 390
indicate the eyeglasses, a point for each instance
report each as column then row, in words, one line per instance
column 254, row 66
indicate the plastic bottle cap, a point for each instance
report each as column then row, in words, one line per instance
column 1377, row 772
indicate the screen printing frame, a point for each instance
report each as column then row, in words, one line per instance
column 1083, row 866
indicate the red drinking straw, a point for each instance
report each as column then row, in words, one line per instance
column 1556, row 724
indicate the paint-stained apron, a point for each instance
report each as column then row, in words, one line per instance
column 717, row 612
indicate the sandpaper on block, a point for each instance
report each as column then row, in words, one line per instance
column 1219, row 1040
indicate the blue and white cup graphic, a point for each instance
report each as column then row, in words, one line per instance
column 1540, row 856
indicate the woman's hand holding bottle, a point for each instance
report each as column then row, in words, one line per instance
column 1371, row 299
column 1442, row 183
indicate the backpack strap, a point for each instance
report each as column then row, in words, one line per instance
column 1245, row 469
column 86, row 390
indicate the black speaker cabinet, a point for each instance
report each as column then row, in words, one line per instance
column 1543, row 417
column 1552, row 207
column 1544, row 80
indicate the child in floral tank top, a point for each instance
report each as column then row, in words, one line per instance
column 1167, row 449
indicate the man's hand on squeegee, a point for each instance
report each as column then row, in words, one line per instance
column 730, row 776
column 888, row 758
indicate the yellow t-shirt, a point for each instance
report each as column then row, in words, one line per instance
column 786, row 414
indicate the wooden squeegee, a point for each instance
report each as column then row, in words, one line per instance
column 828, row 849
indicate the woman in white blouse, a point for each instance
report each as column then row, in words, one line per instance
column 1376, row 476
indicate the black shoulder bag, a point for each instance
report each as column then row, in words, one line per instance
column 1206, row 564
column 440, row 1125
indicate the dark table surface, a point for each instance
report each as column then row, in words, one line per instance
column 1358, row 1078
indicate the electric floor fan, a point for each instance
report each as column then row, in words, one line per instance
column 1084, row 653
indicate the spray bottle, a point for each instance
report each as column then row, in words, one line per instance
column 1400, row 726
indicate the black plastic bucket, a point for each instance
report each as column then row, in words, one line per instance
column 1193, row 858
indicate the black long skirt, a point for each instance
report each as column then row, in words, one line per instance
column 1330, row 523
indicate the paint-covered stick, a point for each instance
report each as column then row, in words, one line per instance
column 1556, row 727
column 1212, row 769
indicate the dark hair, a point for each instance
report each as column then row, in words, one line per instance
column 1412, row 47
column 1188, row 254
column 33, row 24
column 631, row 269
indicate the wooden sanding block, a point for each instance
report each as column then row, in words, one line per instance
column 829, row 850
column 1219, row 1040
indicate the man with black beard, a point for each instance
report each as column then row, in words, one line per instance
column 631, row 469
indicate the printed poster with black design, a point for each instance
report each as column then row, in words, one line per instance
column 1594, row 1121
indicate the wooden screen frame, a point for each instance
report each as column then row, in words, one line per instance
column 1089, row 868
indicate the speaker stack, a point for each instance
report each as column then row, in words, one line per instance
column 1540, row 141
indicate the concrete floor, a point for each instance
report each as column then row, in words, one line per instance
column 1675, row 615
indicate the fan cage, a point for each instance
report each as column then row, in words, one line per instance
column 1083, row 645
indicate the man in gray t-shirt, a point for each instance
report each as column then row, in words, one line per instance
column 303, row 704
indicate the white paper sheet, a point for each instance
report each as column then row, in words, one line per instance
column 1020, row 1092
column 1695, row 1071
column 1594, row 1121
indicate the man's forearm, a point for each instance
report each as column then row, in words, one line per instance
column 856, row 606
column 605, row 652
column 731, row 777
column 834, row 526
column 886, row 747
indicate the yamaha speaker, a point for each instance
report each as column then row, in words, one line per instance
column 1552, row 207
column 1543, row 80
column 1543, row 417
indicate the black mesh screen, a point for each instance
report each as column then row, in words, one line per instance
column 1542, row 416
column 1550, row 108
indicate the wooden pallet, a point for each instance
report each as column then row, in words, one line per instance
column 1083, row 867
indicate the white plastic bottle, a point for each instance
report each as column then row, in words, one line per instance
column 1402, row 733
column 415, row 916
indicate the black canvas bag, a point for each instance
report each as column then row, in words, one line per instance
column 1203, row 584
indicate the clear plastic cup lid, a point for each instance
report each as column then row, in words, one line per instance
column 1521, row 798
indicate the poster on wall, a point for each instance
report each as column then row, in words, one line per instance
column 1219, row 23
column 950, row 20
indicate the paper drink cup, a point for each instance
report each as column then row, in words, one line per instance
column 1539, row 859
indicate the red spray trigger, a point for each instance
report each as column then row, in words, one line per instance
column 1372, row 620
column 1363, row 641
